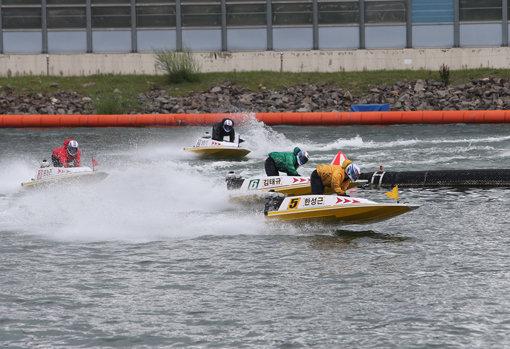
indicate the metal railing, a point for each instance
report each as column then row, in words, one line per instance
column 135, row 15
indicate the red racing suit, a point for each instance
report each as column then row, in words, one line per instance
column 62, row 156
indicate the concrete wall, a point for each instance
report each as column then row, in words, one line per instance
column 293, row 61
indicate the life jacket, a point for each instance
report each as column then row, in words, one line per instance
column 334, row 175
column 218, row 132
column 286, row 161
column 64, row 158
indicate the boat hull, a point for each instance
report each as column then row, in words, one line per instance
column 210, row 148
column 331, row 208
column 348, row 214
column 219, row 152
column 256, row 187
column 49, row 176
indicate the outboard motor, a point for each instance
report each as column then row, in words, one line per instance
column 45, row 163
column 234, row 181
column 272, row 201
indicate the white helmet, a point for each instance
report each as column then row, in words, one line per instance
column 227, row 125
column 72, row 147
column 353, row 172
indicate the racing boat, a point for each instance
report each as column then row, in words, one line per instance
column 256, row 187
column 330, row 208
column 288, row 185
column 48, row 175
column 205, row 146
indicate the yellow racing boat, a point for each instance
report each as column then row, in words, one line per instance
column 255, row 187
column 331, row 208
column 209, row 148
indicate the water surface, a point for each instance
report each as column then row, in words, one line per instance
column 157, row 256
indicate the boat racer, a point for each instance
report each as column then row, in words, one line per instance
column 67, row 155
column 287, row 162
column 222, row 129
column 338, row 177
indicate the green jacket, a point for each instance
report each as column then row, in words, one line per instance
column 286, row 161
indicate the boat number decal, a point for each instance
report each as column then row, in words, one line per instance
column 346, row 201
column 206, row 142
column 314, row 201
column 253, row 184
column 272, row 181
column 293, row 203
column 43, row 173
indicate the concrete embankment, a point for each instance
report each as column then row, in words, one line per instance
column 298, row 119
column 288, row 61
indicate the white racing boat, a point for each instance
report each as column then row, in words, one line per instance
column 207, row 147
column 255, row 187
column 48, row 175
column 330, row 208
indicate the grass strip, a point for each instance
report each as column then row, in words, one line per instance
column 118, row 93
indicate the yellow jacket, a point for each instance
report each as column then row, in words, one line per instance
column 334, row 176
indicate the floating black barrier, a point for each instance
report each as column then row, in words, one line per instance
column 439, row 178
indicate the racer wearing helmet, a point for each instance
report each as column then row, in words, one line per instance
column 67, row 155
column 285, row 162
column 222, row 129
column 337, row 177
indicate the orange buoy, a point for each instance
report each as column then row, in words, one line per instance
column 271, row 119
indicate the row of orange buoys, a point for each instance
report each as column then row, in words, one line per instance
column 300, row 119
